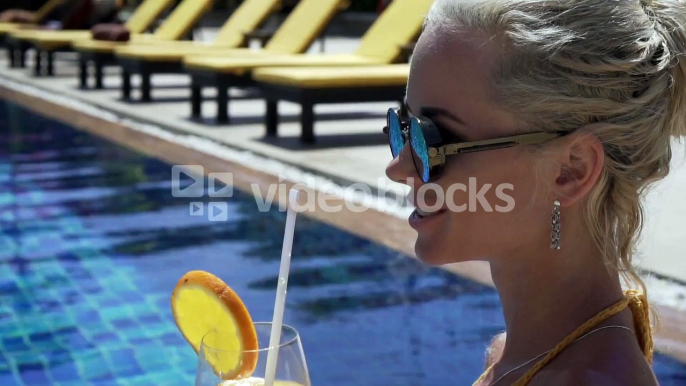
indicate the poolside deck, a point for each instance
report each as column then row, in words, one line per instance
column 350, row 149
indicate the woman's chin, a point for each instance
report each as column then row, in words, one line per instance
column 433, row 254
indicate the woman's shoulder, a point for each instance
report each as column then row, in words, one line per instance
column 495, row 349
column 599, row 360
column 589, row 377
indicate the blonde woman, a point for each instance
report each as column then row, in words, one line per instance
column 531, row 130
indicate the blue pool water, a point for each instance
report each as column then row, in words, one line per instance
column 92, row 243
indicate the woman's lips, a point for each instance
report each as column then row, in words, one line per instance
column 420, row 219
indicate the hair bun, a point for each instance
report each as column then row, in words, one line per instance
column 670, row 23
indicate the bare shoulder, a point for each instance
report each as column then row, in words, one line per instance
column 591, row 377
column 603, row 359
column 495, row 350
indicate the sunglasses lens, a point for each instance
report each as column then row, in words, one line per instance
column 395, row 134
column 420, row 152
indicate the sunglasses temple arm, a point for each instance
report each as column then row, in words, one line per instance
column 500, row 143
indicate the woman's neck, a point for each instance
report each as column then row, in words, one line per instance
column 547, row 297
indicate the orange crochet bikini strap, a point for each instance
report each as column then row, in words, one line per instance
column 641, row 313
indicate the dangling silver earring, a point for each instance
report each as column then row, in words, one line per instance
column 555, row 234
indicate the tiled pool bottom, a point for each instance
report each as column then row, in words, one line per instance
column 92, row 243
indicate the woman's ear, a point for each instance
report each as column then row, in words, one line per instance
column 581, row 160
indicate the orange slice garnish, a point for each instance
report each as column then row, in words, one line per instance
column 203, row 303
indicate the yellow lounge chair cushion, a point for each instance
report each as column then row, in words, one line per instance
column 240, row 66
column 336, row 77
column 179, row 23
column 399, row 24
column 104, row 46
column 51, row 36
column 146, row 14
column 183, row 18
column 51, row 40
column 140, row 20
column 99, row 46
column 6, row 28
column 168, row 51
column 307, row 20
column 246, row 18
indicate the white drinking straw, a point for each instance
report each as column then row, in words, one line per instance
column 280, row 304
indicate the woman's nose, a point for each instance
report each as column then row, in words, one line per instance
column 401, row 169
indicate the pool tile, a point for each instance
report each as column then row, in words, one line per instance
column 92, row 366
column 124, row 362
column 14, row 344
column 102, row 339
column 60, row 321
column 33, row 373
column 114, row 313
column 8, row 379
column 40, row 337
column 173, row 339
column 90, row 286
column 65, row 372
column 123, row 324
column 9, row 288
column 22, row 307
column 49, row 306
column 130, row 297
column 74, row 340
column 58, row 356
column 86, row 315
column 105, row 381
column 150, row 319
column 152, row 357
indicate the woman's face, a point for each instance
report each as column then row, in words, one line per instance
column 504, row 208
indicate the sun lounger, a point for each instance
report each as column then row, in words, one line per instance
column 141, row 20
column 177, row 25
column 47, row 42
column 308, row 86
column 17, row 56
column 399, row 25
column 295, row 35
column 38, row 17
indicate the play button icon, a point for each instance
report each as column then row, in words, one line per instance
column 218, row 211
column 197, row 209
column 188, row 181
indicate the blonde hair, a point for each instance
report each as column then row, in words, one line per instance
column 609, row 66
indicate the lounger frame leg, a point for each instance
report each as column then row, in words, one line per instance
column 83, row 74
column 146, row 87
column 307, row 98
column 272, row 118
column 21, row 51
column 50, row 63
column 125, row 85
column 98, row 64
column 196, row 102
column 223, row 84
column 307, row 122
column 38, row 65
column 12, row 55
column 222, row 105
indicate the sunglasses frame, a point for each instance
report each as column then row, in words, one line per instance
column 438, row 150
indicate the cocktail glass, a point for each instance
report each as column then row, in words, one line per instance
column 291, row 368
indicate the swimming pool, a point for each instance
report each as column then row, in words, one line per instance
column 92, row 244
